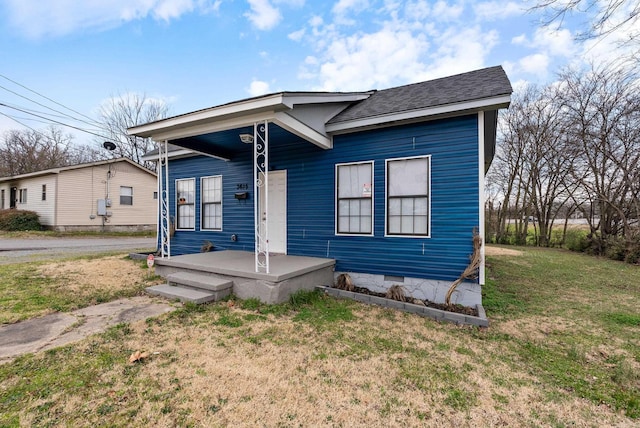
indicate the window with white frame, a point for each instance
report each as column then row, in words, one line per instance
column 126, row 195
column 211, row 201
column 354, row 198
column 23, row 196
column 44, row 192
column 408, row 192
column 186, row 198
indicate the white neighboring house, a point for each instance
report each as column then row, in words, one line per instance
column 116, row 195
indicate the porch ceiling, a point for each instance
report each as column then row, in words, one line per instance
column 226, row 144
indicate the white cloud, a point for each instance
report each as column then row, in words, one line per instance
column 446, row 12
column 537, row 64
column 258, row 87
column 296, row 36
column 344, row 6
column 37, row 19
column 547, row 45
column 169, row 9
column 460, row 51
column 365, row 61
column 263, row 15
column 493, row 10
column 413, row 41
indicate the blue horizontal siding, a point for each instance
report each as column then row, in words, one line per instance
column 453, row 146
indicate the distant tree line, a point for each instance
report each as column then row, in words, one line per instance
column 570, row 149
column 29, row 150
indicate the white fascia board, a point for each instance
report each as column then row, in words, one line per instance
column 449, row 109
column 303, row 131
column 241, row 108
column 182, row 153
column 291, row 100
column 214, row 126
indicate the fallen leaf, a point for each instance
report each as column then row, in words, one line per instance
column 138, row 356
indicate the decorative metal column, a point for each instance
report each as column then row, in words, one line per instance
column 261, row 194
column 163, row 200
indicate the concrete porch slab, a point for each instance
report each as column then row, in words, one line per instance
column 242, row 264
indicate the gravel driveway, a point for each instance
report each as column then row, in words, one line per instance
column 15, row 250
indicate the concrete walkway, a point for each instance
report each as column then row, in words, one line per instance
column 52, row 331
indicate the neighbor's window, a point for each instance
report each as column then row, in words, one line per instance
column 23, row 196
column 2, row 199
column 354, row 196
column 44, row 192
column 211, row 200
column 408, row 196
column 186, row 197
column 126, row 195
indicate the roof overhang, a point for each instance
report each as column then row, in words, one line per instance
column 271, row 108
column 430, row 113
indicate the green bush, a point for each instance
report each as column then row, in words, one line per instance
column 576, row 240
column 616, row 248
column 14, row 220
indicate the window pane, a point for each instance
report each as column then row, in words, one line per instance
column 394, row 224
column 355, row 196
column 408, row 196
column 406, row 224
column 421, row 206
column 343, row 224
column 354, row 208
column 365, row 226
column 353, row 180
column 407, row 206
column 365, row 207
column 420, row 225
column 408, row 177
column 394, row 206
column 212, row 189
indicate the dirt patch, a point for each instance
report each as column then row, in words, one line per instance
column 112, row 274
column 499, row 251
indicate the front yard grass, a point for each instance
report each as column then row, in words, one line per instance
column 563, row 349
column 28, row 290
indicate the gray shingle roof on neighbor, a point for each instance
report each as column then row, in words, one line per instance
column 474, row 85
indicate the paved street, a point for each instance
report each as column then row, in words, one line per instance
column 18, row 250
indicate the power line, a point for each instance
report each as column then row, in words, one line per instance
column 55, row 121
column 47, row 98
column 47, row 107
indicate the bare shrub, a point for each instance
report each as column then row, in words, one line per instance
column 344, row 282
column 396, row 292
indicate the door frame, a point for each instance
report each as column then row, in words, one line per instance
column 270, row 230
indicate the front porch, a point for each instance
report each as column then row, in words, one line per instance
column 220, row 273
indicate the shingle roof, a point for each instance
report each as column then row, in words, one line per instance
column 479, row 84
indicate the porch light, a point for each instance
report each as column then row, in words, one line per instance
column 246, row 138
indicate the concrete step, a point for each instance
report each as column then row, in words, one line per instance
column 199, row 281
column 182, row 293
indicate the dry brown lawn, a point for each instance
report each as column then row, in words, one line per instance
column 229, row 364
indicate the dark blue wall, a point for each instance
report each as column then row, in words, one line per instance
column 453, row 146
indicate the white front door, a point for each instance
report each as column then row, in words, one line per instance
column 277, row 216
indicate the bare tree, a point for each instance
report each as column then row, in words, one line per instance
column 603, row 17
column 25, row 151
column 124, row 111
column 603, row 110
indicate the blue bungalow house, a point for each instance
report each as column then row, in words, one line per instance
column 291, row 189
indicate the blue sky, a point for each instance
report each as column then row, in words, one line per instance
column 199, row 53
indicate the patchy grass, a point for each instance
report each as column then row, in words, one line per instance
column 40, row 234
column 563, row 349
column 28, row 290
